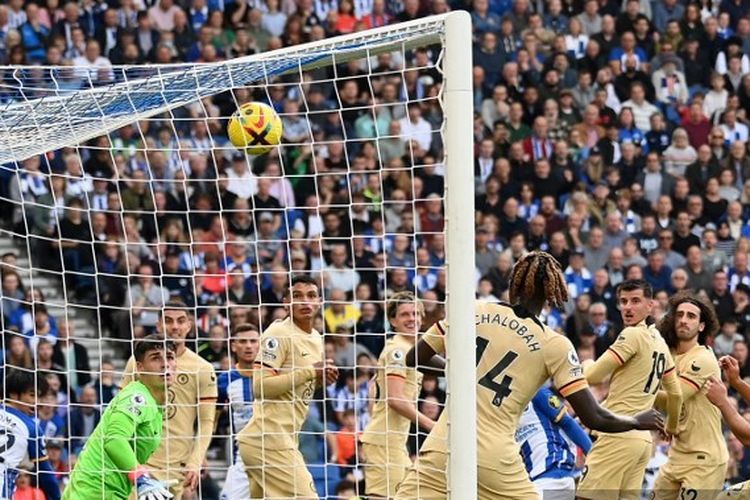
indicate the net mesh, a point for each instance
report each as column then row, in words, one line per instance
column 121, row 192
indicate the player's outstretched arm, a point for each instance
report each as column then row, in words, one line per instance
column 269, row 384
column 716, row 392
column 404, row 407
column 208, row 395
column 598, row 371
column 120, row 430
column 420, row 354
column 598, row 418
column 425, row 360
column 731, row 369
column 671, row 385
column 688, row 390
column 576, row 433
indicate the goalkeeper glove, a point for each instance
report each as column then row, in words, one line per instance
column 148, row 488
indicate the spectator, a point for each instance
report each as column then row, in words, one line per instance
column 71, row 355
column 739, row 274
column 733, row 130
column 704, row 167
column 590, row 20
column 84, row 417
column 414, row 126
column 17, row 353
column 655, row 181
column 724, row 342
column 738, row 162
column 657, row 273
column 340, row 314
column 679, row 154
column 142, row 305
column 642, row 108
column 698, row 278
column 602, row 327
column 577, row 276
column 666, row 11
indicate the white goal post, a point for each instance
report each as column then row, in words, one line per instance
column 43, row 114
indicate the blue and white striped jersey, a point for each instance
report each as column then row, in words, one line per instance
column 545, row 449
column 19, row 436
column 237, row 390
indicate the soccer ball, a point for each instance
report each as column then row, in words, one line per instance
column 255, row 127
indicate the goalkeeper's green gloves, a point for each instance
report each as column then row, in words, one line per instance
column 148, row 488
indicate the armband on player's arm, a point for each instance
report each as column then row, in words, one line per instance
column 671, row 385
column 267, row 384
column 598, row 371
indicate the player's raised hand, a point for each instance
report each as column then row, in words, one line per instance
column 332, row 372
column 650, row 420
column 731, row 368
column 716, row 391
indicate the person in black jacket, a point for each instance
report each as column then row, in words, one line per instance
column 73, row 356
column 702, row 169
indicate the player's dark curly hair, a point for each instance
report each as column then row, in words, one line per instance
column 666, row 324
column 538, row 275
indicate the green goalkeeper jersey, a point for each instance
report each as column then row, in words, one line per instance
column 128, row 433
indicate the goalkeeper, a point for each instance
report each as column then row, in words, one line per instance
column 128, row 433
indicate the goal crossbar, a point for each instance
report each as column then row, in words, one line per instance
column 75, row 116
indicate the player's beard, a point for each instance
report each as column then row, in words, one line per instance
column 685, row 334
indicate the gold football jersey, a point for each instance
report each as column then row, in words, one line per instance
column 387, row 425
column 515, row 355
column 276, row 422
column 644, row 360
column 699, row 439
column 194, row 381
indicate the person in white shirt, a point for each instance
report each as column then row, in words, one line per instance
column 733, row 130
column 92, row 65
column 642, row 109
column 162, row 15
column 242, row 181
column 338, row 274
column 576, row 41
column 274, row 20
column 715, row 100
column 414, row 127
column 16, row 14
column 79, row 184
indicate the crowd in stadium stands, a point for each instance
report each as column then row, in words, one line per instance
column 612, row 134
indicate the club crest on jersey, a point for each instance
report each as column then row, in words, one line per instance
column 554, row 402
column 398, row 356
column 182, row 379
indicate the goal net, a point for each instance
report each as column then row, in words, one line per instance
column 120, row 192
